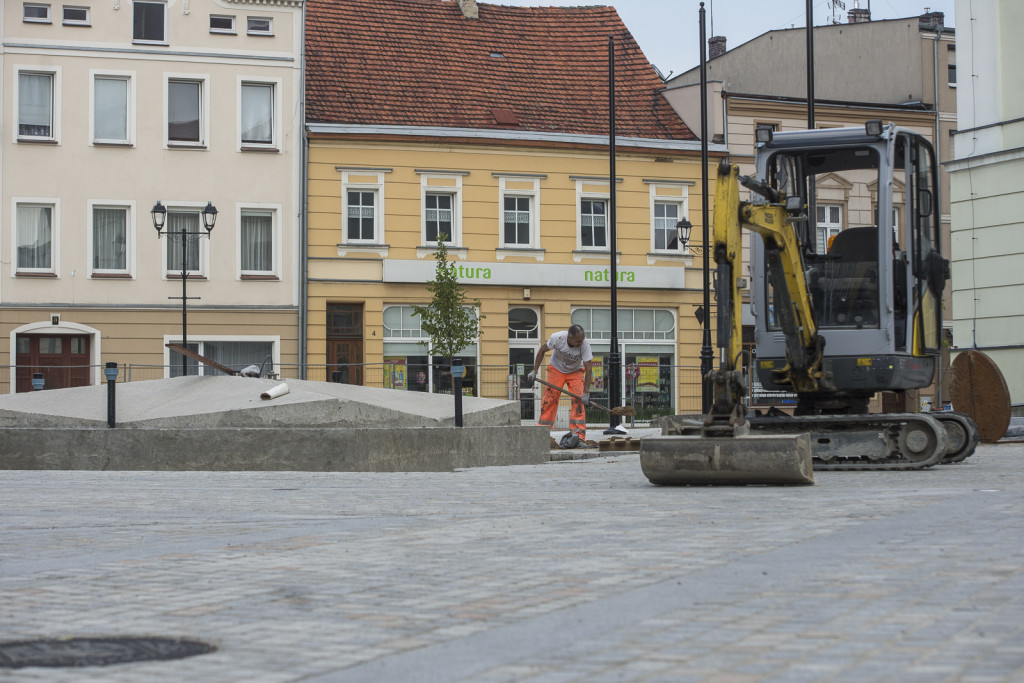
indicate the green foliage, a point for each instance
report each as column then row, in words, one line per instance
column 448, row 321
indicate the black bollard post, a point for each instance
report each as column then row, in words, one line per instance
column 110, row 372
column 457, row 372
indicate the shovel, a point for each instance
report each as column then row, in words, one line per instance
column 620, row 410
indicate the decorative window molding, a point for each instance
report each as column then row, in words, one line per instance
column 37, row 104
column 223, row 23
column 186, row 111
column 149, row 22
column 112, row 107
column 35, row 237
column 111, row 245
column 259, row 114
column 258, row 241
column 198, row 254
column 441, row 202
column 519, row 213
column 362, row 210
column 36, row 13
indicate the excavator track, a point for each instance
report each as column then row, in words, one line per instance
column 894, row 441
column 962, row 436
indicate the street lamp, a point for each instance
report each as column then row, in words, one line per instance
column 184, row 236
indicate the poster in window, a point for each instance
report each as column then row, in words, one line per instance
column 648, row 379
column 597, row 375
column 395, row 373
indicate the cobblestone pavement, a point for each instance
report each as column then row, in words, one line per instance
column 569, row 571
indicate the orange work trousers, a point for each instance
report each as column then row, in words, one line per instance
column 549, row 401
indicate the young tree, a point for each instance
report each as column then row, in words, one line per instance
column 448, row 321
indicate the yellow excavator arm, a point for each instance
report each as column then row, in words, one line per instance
column 791, row 302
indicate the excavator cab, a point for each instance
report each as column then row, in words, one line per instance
column 867, row 228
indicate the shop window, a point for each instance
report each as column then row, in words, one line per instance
column 408, row 363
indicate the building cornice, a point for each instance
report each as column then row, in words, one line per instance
column 332, row 129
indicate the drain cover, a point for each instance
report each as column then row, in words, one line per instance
column 96, row 651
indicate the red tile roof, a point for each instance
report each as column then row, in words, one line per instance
column 422, row 63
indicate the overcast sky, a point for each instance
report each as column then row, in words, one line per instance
column 668, row 30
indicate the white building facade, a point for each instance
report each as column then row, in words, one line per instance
column 987, row 178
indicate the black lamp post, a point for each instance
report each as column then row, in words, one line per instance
column 110, row 372
column 184, row 236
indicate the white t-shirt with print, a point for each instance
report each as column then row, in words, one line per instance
column 565, row 358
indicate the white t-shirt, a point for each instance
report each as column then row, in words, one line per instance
column 565, row 358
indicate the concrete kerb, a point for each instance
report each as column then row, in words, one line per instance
column 305, row 449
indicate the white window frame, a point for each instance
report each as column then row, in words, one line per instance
column 76, row 22
column 669, row 193
column 147, row 41
column 130, row 232
column 582, row 196
column 275, row 106
column 275, row 211
column 831, row 229
column 36, row 20
column 204, row 243
column 249, row 30
column 444, row 186
column 229, row 31
column 128, row 76
column 55, row 103
column 377, row 187
column 54, row 204
column 274, row 339
column 533, row 194
column 204, row 110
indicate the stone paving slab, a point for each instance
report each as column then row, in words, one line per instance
column 567, row 571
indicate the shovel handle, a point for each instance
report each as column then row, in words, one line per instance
column 569, row 393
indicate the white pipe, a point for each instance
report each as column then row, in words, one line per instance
column 273, row 392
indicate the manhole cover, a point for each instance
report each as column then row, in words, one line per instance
column 96, row 651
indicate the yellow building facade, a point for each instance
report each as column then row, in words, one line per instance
column 529, row 230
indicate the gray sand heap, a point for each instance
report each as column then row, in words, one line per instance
column 222, row 423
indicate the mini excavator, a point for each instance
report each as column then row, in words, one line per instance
column 839, row 314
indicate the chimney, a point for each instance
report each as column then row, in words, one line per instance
column 469, row 9
column 858, row 15
column 716, row 46
column 931, row 21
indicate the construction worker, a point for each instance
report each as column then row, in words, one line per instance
column 571, row 361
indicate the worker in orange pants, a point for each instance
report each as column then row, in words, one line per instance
column 571, row 361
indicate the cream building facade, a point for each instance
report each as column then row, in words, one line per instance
column 110, row 108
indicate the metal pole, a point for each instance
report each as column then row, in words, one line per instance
column 810, row 63
column 614, row 361
column 706, row 353
column 184, row 298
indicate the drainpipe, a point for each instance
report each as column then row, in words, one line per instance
column 303, row 201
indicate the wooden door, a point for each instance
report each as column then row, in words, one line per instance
column 345, row 343
column 63, row 360
column 345, row 356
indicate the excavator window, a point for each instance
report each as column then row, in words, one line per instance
column 840, row 248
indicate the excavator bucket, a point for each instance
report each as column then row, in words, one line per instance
column 727, row 461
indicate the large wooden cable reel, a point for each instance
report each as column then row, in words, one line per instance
column 979, row 391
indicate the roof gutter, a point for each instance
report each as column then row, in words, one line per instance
column 507, row 135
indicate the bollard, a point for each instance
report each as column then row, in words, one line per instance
column 110, row 372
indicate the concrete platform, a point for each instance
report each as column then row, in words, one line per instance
column 222, row 423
